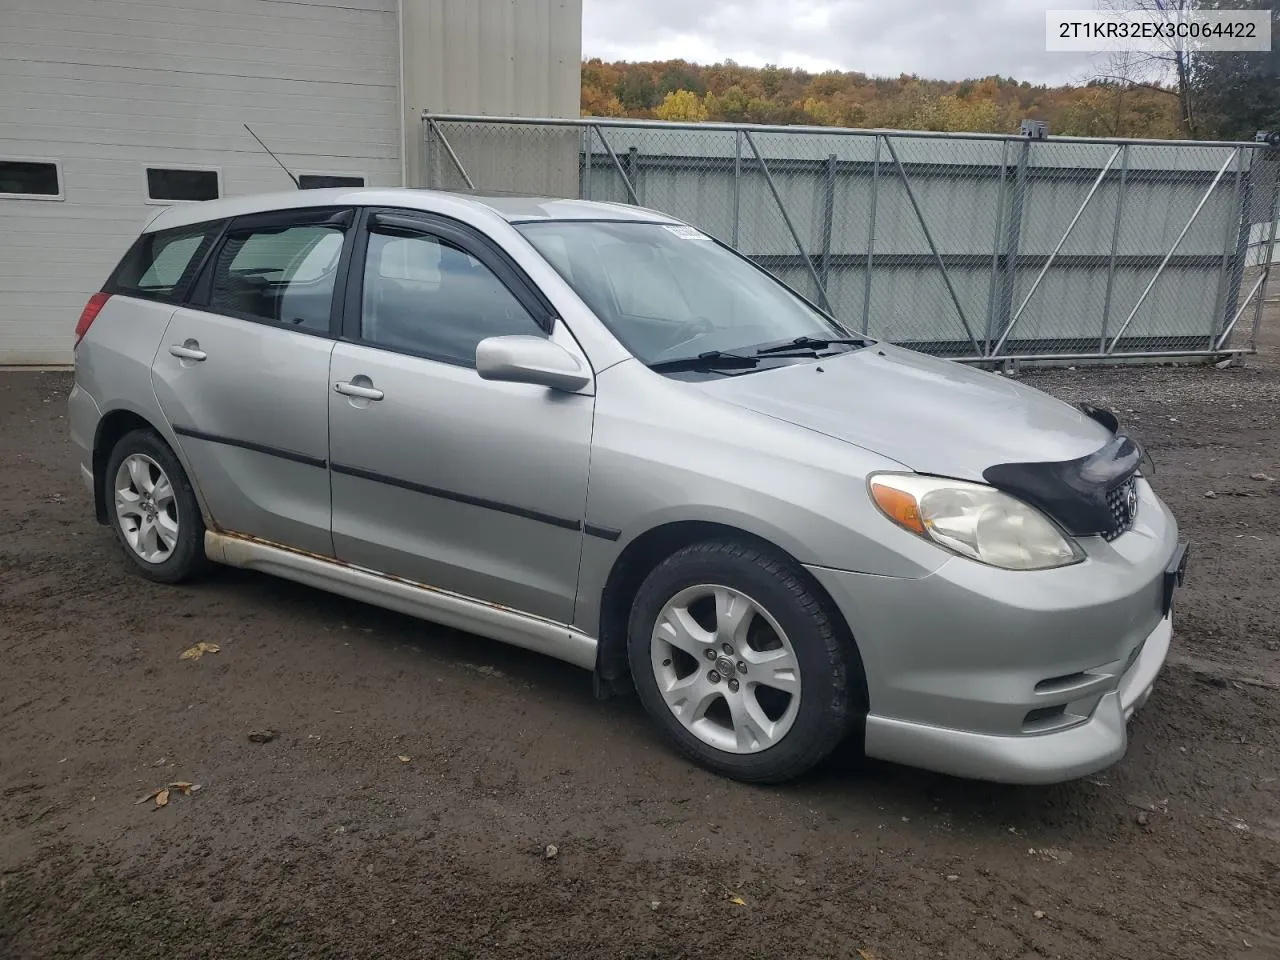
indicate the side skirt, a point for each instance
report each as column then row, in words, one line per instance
column 405, row 596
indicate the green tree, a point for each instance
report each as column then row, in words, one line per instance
column 636, row 89
column 770, row 80
column 680, row 76
column 731, row 105
column 1239, row 93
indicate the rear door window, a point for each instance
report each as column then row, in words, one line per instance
column 162, row 265
column 279, row 275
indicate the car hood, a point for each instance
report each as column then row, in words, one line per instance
column 933, row 416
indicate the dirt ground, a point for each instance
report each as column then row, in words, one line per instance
column 404, row 807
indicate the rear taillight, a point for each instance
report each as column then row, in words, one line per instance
column 90, row 312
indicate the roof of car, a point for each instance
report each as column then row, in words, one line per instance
column 512, row 207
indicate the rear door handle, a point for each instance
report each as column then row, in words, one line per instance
column 348, row 389
column 188, row 351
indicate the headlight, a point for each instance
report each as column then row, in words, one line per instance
column 975, row 521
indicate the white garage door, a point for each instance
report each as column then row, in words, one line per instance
column 106, row 105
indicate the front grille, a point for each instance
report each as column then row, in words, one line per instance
column 1122, row 503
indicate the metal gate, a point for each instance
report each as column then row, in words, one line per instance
column 978, row 247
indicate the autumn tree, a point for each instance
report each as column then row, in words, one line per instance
column 681, row 105
column 1236, row 88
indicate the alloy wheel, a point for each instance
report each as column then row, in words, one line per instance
column 725, row 669
column 146, row 508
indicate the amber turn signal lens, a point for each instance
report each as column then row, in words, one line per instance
column 900, row 507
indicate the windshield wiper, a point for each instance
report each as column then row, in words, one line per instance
column 712, row 359
column 808, row 343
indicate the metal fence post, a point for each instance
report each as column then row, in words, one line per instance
column 1266, row 267
column 588, row 149
column 1013, row 238
column 871, row 239
column 737, row 185
column 428, row 154
column 1232, row 230
column 1115, row 247
column 828, row 216
column 1240, row 258
column 633, row 172
column 992, row 283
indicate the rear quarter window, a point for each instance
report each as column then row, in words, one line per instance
column 163, row 264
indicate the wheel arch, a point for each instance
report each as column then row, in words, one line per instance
column 115, row 424
column 642, row 554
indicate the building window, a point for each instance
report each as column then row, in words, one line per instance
column 30, row 179
column 170, row 184
column 318, row 181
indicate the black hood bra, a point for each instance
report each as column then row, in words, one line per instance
column 1088, row 496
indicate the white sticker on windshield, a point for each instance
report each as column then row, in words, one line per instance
column 687, row 233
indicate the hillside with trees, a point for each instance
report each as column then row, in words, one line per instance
column 1235, row 95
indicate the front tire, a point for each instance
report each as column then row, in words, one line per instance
column 153, row 509
column 741, row 663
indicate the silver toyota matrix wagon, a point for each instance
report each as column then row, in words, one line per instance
column 594, row 431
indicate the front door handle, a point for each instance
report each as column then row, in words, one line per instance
column 348, row 389
column 188, row 351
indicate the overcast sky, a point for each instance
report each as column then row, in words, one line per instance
column 937, row 39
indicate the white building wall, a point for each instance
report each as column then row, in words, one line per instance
column 107, row 87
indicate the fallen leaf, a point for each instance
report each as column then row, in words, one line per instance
column 149, row 796
column 403, row 759
column 162, row 798
column 867, row 954
column 734, row 898
column 199, row 650
column 183, row 785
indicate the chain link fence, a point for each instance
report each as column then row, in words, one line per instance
column 975, row 247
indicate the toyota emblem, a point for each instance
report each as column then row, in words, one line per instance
column 1131, row 500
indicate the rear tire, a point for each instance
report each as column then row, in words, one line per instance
column 740, row 662
column 153, row 509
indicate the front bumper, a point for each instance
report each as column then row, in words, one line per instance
column 1020, row 677
column 1068, row 754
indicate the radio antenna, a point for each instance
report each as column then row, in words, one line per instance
column 274, row 157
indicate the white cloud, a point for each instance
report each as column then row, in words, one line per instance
column 937, row 39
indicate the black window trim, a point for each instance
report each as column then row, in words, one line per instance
column 181, row 168
column 57, row 168
column 345, row 218
column 181, row 292
column 406, row 221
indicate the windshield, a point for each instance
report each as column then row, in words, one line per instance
column 670, row 293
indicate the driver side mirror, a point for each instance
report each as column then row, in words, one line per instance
column 521, row 359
